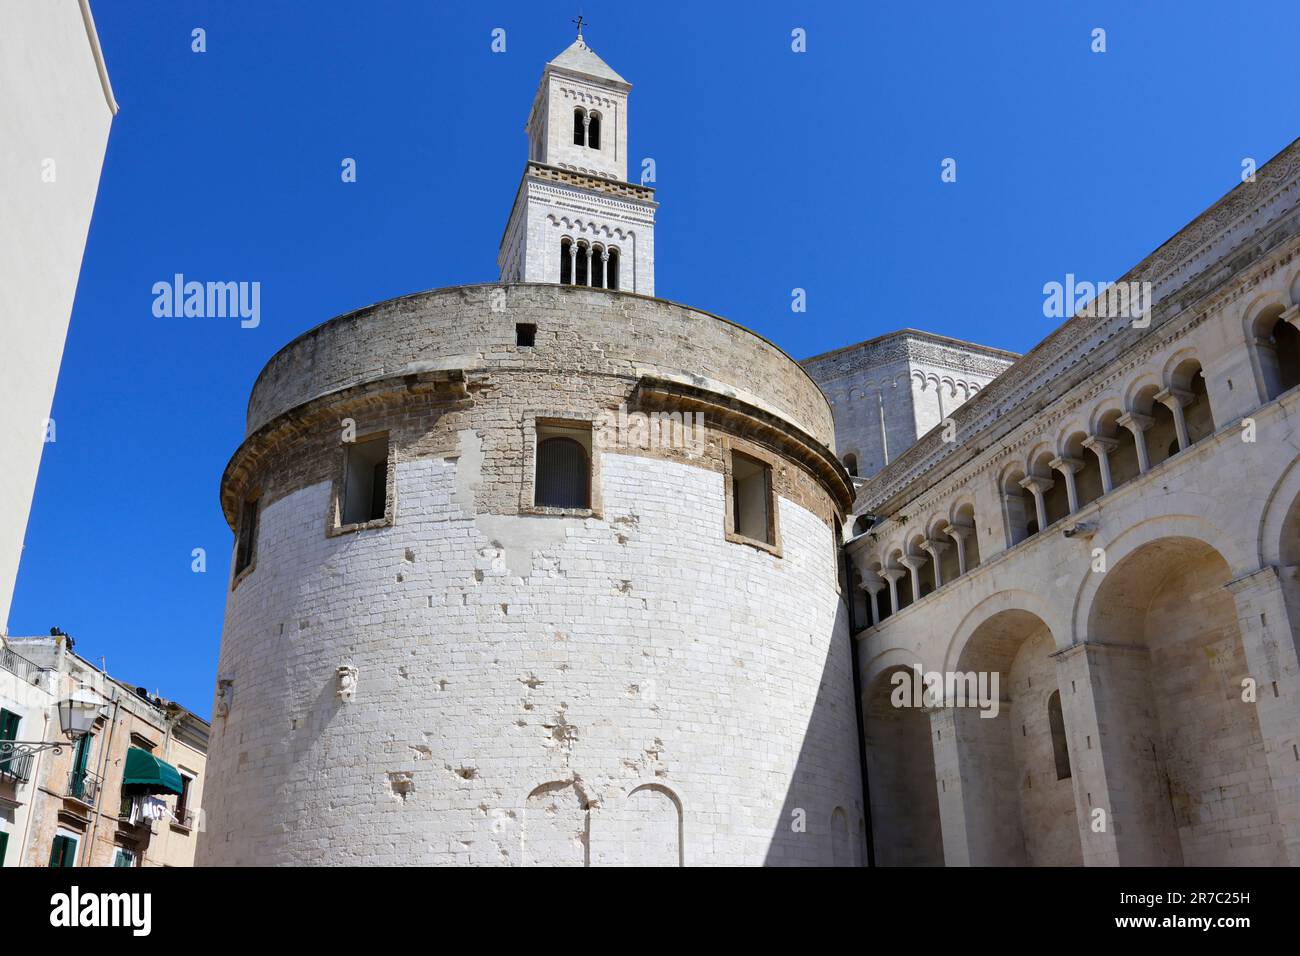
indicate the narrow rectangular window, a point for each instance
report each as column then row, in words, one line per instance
column 182, row 802
column 123, row 858
column 365, row 481
column 4, row 845
column 525, row 334
column 562, row 473
column 751, row 498
column 247, row 536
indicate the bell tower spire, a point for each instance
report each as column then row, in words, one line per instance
column 576, row 218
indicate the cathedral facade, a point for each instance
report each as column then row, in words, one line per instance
column 1110, row 531
column 552, row 571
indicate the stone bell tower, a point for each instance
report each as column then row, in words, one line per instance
column 576, row 219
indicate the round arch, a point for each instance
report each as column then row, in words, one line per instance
column 1265, row 301
column 1012, row 599
column 1133, row 539
column 891, row 658
column 1273, row 523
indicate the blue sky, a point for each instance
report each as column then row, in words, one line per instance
column 776, row 170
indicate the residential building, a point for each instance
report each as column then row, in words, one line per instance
column 126, row 794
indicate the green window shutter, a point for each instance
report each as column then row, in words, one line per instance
column 81, row 756
column 9, row 722
column 58, row 850
column 63, row 852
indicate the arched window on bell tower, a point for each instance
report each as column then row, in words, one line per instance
column 566, row 261
column 580, row 276
column 579, row 126
column 593, row 131
column 611, row 270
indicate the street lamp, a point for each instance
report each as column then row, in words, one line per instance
column 77, row 714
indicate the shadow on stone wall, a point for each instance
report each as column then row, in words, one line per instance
column 826, row 773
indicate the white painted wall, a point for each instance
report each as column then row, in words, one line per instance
column 55, row 106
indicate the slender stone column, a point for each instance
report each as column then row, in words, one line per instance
column 1068, row 467
column 1102, row 447
column 892, row 575
column 873, row 586
column 604, row 268
column 589, row 255
column 935, row 549
column 958, row 533
column 1039, row 486
column 913, row 563
column 1138, row 423
column 1175, row 399
column 1266, row 352
column 573, row 263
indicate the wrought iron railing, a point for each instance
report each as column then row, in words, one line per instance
column 14, row 765
column 84, row 786
column 17, row 664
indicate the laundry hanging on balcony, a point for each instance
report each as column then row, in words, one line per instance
column 146, row 809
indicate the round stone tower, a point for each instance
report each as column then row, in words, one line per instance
column 442, row 647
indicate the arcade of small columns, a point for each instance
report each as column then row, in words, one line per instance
column 1160, row 423
column 589, row 264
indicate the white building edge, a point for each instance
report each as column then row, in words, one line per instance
column 56, row 110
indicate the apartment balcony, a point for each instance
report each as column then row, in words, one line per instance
column 19, row 665
column 15, row 767
column 83, row 787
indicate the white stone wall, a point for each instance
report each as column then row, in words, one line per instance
column 648, row 692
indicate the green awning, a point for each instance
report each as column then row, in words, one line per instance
column 145, row 770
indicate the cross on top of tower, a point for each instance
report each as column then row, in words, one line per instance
column 579, row 21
